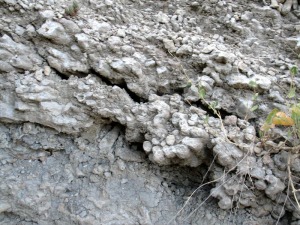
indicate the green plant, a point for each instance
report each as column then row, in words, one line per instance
column 280, row 118
column 293, row 73
column 295, row 115
column 291, row 122
column 255, row 103
column 73, row 9
column 254, row 85
column 213, row 106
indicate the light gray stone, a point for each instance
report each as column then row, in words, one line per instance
column 169, row 45
column 162, row 18
column 65, row 63
column 184, row 50
column 55, row 32
column 47, row 14
column 147, row 145
column 170, row 140
column 208, row 49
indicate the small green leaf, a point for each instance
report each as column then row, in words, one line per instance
column 296, row 114
column 253, row 84
column 261, row 133
column 67, row 11
column 213, row 105
column 202, row 92
column 289, row 133
column 73, row 9
column 292, row 92
column 294, row 70
column 75, row 6
column 188, row 85
column 206, row 119
column 253, row 108
column 296, row 108
column 255, row 96
column 271, row 116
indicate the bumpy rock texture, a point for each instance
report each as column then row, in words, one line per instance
column 101, row 121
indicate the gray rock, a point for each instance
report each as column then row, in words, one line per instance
column 128, row 66
column 161, row 70
column 169, row 45
column 182, row 151
column 227, row 154
column 225, row 201
column 83, row 40
column 65, row 63
column 102, row 27
column 147, row 145
column 275, row 185
column 121, row 33
column 162, row 18
column 70, row 26
column 195, row 144
column 55, row 32
column 71, row 148
column 225, row 57
column 158, row 155
column 208, row 49
column 184, row 50
column 47, row 14
column 103, row 68
column 241, row 81
column 170, row 140
column 23, row 57
column 287, row 6
column 6, row 67
column 230, row 120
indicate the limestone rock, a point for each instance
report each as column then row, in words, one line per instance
column 65, row 63
column 117, row 113
column 55, row 32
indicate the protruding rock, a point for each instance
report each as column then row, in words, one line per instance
column 169, row 45
column 184, row 50
column 55, row 32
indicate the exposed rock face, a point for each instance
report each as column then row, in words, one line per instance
column 108, row 117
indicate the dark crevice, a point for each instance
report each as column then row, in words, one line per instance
column 179, row 91
column 108, row 82
column 61, row 75
column 50, row 151
column 198, row 66
column 66, row 77
column 138, row 146
column 199, row 103
column 80, row 74
column 14, row 217
column 253, row 122
column 287, row 218
column 161, row 92
column 123, row 85
column 2, row 33
column 210, row 112
column 133, row 95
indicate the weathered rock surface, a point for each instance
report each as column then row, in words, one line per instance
column 104, row 120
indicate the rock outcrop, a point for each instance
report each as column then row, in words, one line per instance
column 117, row 113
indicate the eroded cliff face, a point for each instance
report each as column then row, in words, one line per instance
column 104, row 120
